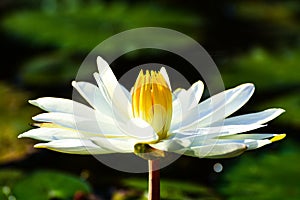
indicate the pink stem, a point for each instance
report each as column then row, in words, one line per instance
column 154, row 182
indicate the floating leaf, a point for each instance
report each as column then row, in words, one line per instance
column 49, row 185
column 268, row 176
column 171, row 189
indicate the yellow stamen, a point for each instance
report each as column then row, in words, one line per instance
column 277, row 137
column 152, row 101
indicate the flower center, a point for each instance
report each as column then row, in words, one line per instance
column 152, row 101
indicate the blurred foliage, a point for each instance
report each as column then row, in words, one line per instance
column 275, row 75
column 283, row 14
column 267, row 70
column 76, row 27
column 291, row 103
column 14, row 119
column 81, row 26
column 39, row 185
column 48, row 70
column 268, row 176
column 170, row 189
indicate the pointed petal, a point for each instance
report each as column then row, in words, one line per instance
column 106, row 74
column 62, row 119
column 227, row 150
column 209, row 148
column 254, row 118
column 90, row 124
column 164, row 73
column 182, row 140
column 217, row 107
column 190, row 98
column 177, row 114
column 52, row 104
column 250, row 143
column 73, row 146
column 252, row 136
column 93, row 96
column 183, row 101
column 195, row 91
column 118, row 98
column 49, row 134
column 211, row 132
column 253, row 141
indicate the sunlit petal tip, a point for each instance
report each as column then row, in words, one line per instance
column 96, row 75
column 177, row 90
column 102, row 64
column 278, row 137
column 164, row 73
column 100, row 60
column 163, row 70
column 40, row 146
column 33, row 102
column 247, row 85
column 199, row 83
column 74, row 83
column 279, row 110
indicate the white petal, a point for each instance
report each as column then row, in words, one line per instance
column 140, row 130
column 254, row 118
column 183, row 101
column 49, row 134
column 177, row 114
column 202, row 136
column 93, row 96
column 52, row 104
column 217, row 107
column 212, row 132
column 91, row 124
column 62, row 119
column 73, row 146
column 164, row 73
column 212, row 150
column 250, row 143
column 252, row 136
column 171, row 145
column 115, row 144
column 107, row 76
column 254, row 144
column 227, row 150
column 116, row 92
column 190, row 98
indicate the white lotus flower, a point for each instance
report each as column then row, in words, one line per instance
column 150, row 118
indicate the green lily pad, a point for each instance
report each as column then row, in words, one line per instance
column 170, row 189
column 8, row 177
column 273, row 175
column 49, row 185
